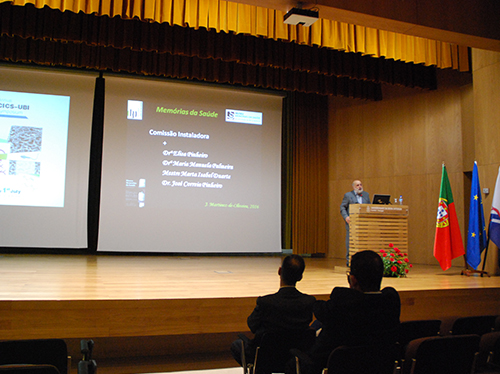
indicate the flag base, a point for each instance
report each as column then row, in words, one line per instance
column 469, row 272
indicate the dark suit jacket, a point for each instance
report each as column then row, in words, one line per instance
column 350, row 198
column 354, row 318
column 287, row 309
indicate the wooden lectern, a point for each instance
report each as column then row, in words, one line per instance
column 374, row 226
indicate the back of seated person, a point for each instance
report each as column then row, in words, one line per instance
column 287, row 310
column 362, row 314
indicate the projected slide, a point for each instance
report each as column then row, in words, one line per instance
column 190, row 168
column 33, row 142
column 45, row 123
column 190, row 164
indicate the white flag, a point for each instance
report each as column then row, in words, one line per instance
column 494, row 229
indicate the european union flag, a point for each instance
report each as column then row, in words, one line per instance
column 476, row 239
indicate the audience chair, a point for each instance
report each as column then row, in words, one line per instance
column 28, row 369
column 362, row 359
column 273, row 352
column 411, row 330
column 454, row 354
column 497, row 323
column 478, row 325
column 38, row 351
column 488, row 359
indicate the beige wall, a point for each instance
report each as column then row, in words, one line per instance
column 397, row 146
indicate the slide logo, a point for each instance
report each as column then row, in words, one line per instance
column 134, row 110
column 243, row 116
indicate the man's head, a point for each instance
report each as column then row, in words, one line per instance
column 366, row 272
column 291, row 270
column 357, row 186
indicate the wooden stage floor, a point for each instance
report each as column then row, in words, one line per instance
column 147, row 305
column 115, row 277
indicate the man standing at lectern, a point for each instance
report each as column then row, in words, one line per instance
column 356, row 196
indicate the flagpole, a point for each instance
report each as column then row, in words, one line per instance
column 486, row 251
column 478, row 246
column 485, row 256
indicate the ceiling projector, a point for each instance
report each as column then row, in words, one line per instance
column 298, row 16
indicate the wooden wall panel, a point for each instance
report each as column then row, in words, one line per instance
column 117, row 318
column 482, row 58
column 379, row 142
column 336, row 227
column 487, row 113
column 398, row 145
column 405, row 138
column 346, row 149
column 468, row 136
column 487, row 130
column 346, row 144
column 408, row 141
column 441, row 112
column 417, row 305
column 130, row 328
column 422, row 218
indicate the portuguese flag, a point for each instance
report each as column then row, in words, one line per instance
column 448, row 241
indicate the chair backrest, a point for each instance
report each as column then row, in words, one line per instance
column 478, row 325
column 489, row 352
column 362, row 359
column 273, row 351
column 411, row 330
column 37, row 351
column 447, row 354
column 497, row 323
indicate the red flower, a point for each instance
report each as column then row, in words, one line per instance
column 396, row 262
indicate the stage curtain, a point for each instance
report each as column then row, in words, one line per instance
column 229, row 17
column 309, row 131
column 88, row 34
column 49, row 53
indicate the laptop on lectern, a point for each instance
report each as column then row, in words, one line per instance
column 381, row 199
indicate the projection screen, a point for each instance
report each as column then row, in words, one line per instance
column 45, row 124
column 190, row 168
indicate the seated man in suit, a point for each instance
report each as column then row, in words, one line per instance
column 359, row 315
column 286, row 310
column 356, row 196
